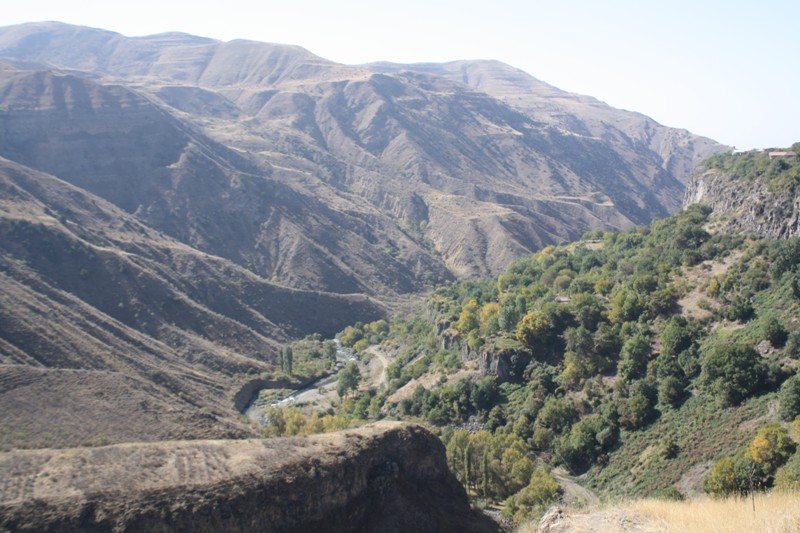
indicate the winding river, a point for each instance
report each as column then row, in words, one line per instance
column 255, row 411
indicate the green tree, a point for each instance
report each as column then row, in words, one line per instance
column 541, row 491
column 771, row 447
column 671, row 391
column 557, row 414
column 534, row 328
column 732, row 372
column 348, row 379
column 639, row 409
column 774, row 332
column 287, row 359
column 468, row 319
column 490, row 319
column 634, row 357
column 329, row 349
column 735, row 475
column 789, row 398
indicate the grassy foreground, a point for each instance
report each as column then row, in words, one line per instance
column 774, row 513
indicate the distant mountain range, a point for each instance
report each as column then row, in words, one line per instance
column 174, row 207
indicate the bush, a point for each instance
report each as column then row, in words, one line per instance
column 735, row 476
column 740, row 309
column 788, row 476
column 732, row 373
column 670, row 493
column 667, row 448
column 789, row 397
column 771, row 447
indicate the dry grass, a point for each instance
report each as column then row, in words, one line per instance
column 774, row 513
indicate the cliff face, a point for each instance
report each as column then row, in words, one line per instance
column 750, row 201
column 384, row 477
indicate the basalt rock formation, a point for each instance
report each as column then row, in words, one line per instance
column 387, row 477
column 761, row 198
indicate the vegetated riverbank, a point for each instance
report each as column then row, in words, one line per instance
column 317, row 390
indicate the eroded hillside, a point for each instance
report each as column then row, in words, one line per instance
column 104, row 319
column 385, row 477
column 255, row 152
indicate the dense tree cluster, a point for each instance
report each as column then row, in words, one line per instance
column 600, row 345
column 597, row 347
column 755, row 468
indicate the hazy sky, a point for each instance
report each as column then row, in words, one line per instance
column 724, row 69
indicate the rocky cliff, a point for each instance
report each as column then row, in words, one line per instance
column 751, row 191
column 385, row 477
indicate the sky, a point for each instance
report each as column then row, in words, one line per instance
column 724, row 69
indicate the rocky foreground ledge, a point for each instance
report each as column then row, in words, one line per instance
column 382, row 477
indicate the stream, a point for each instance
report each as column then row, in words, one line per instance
column 255, row 411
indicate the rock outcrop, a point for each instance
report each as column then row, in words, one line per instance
column 748, row 204
column 384, row 477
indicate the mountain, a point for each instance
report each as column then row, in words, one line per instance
column 377, row 179
column 175, row 209
column 110, row 330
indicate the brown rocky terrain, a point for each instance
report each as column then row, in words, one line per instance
column 256, row 152
column 385, row 477
column 173, row 209
column 111, row 331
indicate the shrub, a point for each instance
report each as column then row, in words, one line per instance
column 670, row 493
column 667, row 448
column 771, row 447
column 740, row 309
column 789, row 397
column 732, row 372
column 735, row 475
column 788, row 476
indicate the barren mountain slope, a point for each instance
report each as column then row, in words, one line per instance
column 458, row 179
column 640, row 138
column 86, row 287
column 117, row 144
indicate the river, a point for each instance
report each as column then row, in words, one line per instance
column 309, row 393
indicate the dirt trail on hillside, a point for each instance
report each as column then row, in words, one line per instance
column 377, row 367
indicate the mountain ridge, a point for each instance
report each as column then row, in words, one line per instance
column 377, row 135
column 200, row 203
